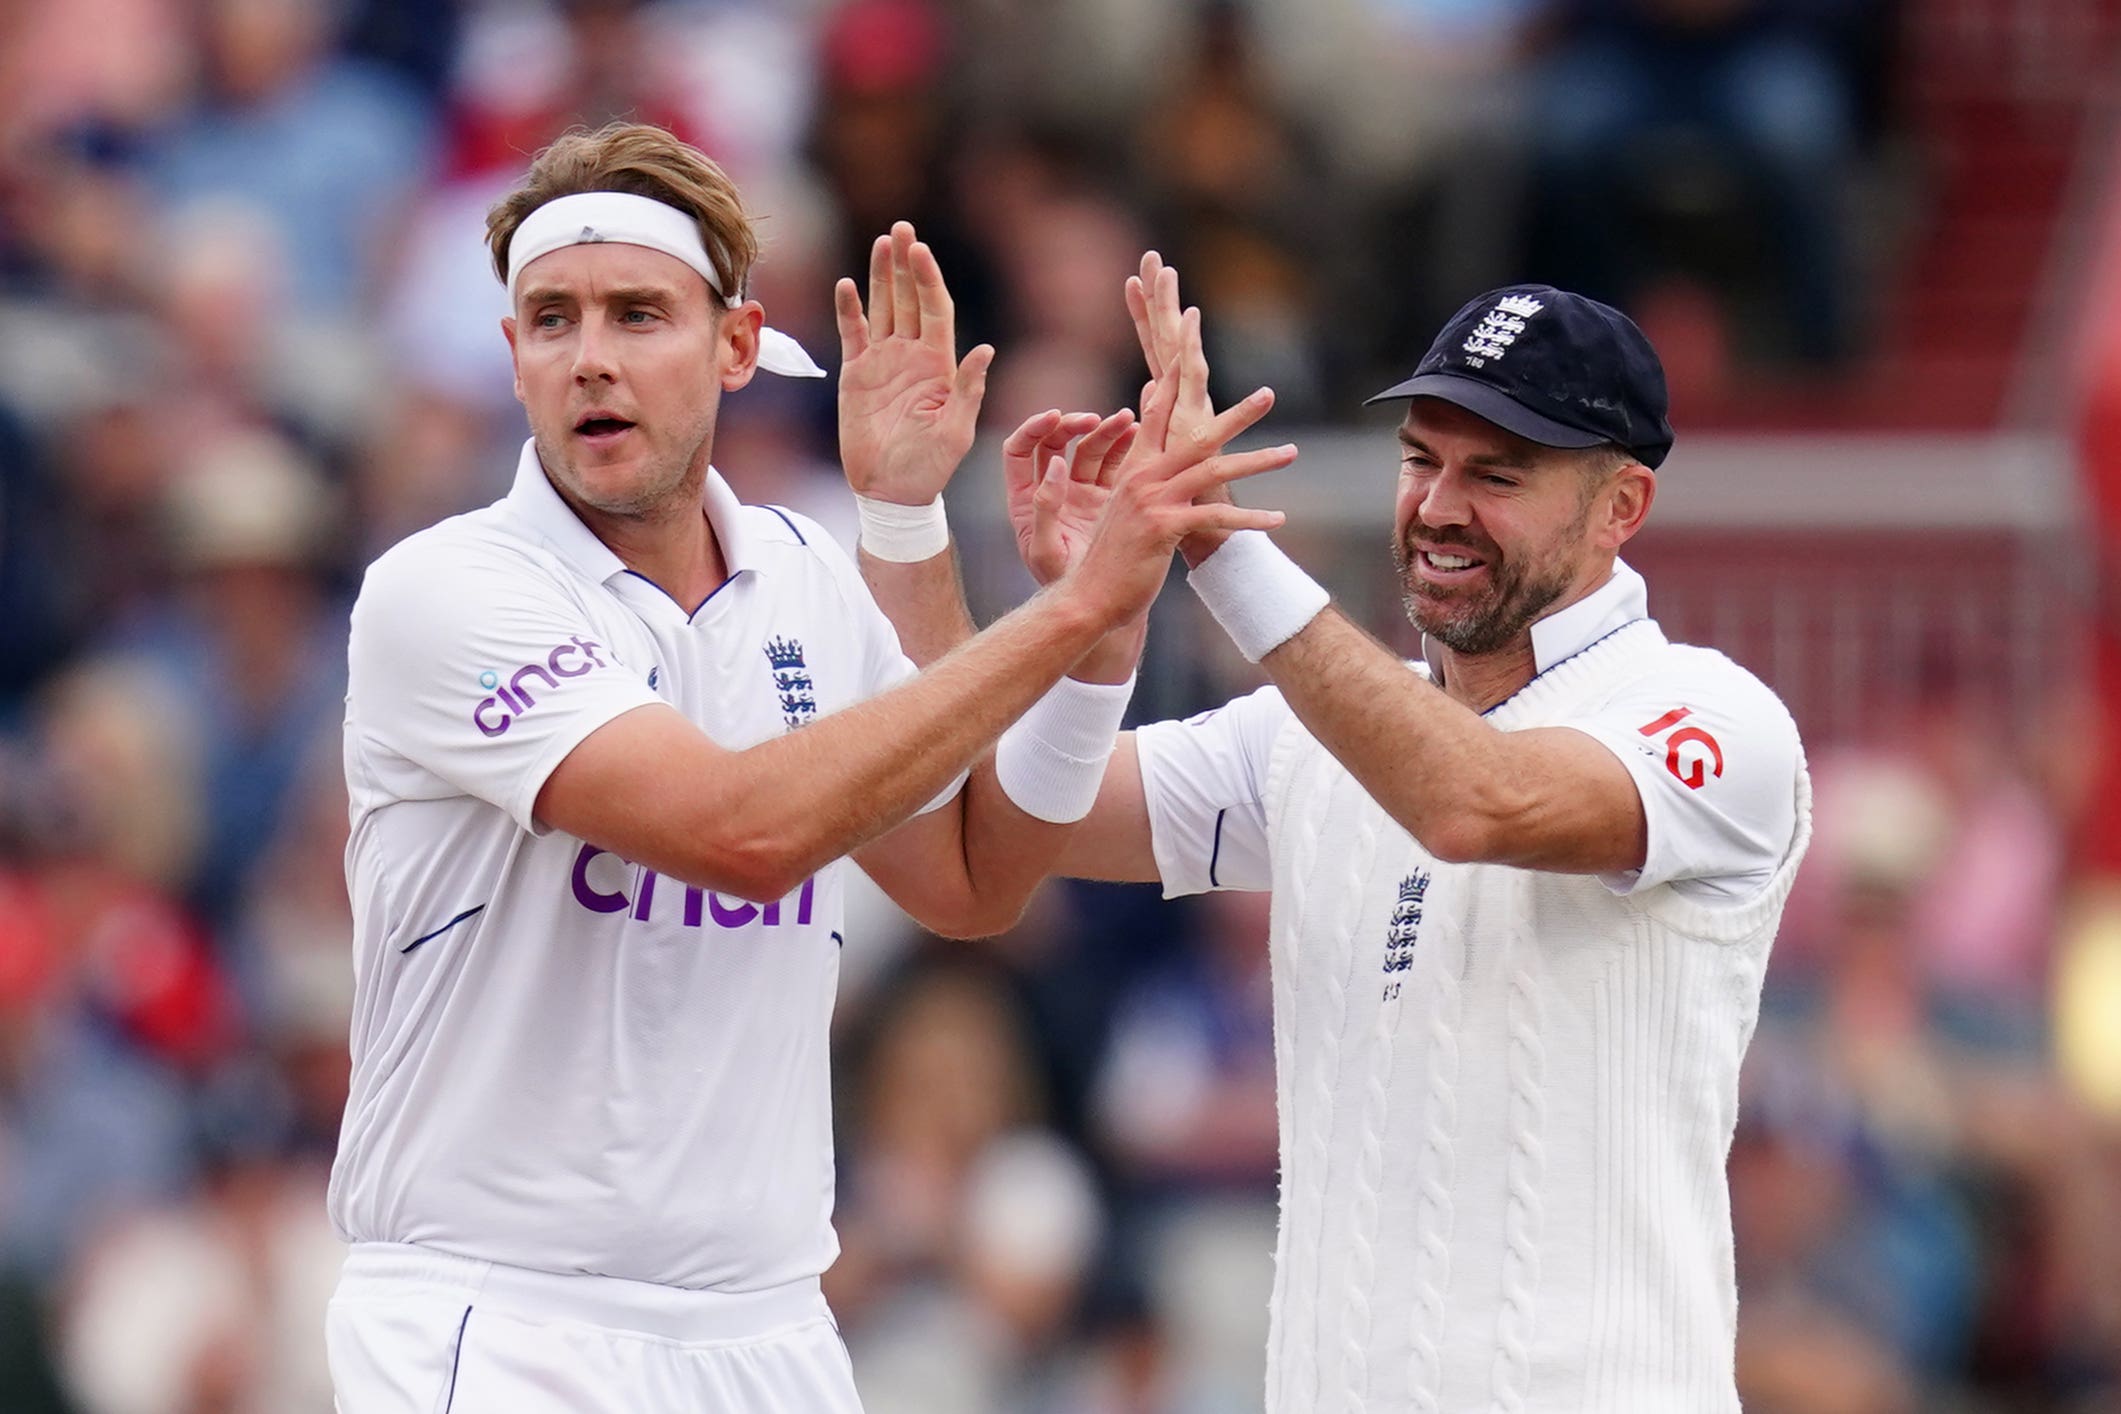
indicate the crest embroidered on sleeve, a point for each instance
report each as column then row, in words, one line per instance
column 1499, row 328
column 791, row 680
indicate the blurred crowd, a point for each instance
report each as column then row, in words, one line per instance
column 248, row 339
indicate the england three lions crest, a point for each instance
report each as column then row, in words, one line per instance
column 791, row 681
column 1405, row 922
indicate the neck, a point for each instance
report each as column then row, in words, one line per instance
column 673, row 546
column 1480, row 680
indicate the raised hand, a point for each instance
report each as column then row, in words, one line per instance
column 1055, row 497
column 1164, row 491
column 907, row 406
column 1160, row 324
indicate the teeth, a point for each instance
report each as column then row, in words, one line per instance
column 1450, row 562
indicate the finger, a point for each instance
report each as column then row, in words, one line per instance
column 1138, row 311
column 1091, row 453
column 938, row 312
column 1118, row 455
column 1195, row 356
column 1219, row 430
column 880, row 288
column 969, row 391
column 905, row 296
column 1020, row 459
column 1165, row 316
column 1045, row 513
column 1193, row 482
column 1192, row 364
column 1221, row 515
column 1158, row 399
column 854, row 329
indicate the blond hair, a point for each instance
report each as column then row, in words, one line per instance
column 646, row 161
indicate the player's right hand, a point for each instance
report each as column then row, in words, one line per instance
column 1152, row 502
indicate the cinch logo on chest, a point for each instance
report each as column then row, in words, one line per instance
column 495, row 714
column 791, row 679
column 700, row 905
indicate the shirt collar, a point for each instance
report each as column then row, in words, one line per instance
column 534, row 499
column 1621, row 600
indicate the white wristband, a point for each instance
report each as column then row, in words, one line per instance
column 1259, row 595
column 1052, row 760
column 903, row 535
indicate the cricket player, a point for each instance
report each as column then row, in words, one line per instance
column 1523, row 890
column 611, row 743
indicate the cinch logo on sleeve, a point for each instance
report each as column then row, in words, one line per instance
column 495, row 714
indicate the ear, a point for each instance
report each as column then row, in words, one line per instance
column 736, row 347
column 508, row 332
column 1627, row 503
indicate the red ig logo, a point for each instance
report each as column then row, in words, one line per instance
column 1692, row 777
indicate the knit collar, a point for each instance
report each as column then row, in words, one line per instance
column 1621, row 600
column 534, row 499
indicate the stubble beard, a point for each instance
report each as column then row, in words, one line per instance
column 1518, row 593
column 668, row 485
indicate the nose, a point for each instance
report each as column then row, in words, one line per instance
column 1443, row 503
column 593, row 362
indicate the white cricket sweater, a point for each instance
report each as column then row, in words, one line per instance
column 1506, row 1101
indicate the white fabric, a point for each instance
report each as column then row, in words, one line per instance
column 1258, row 594
column 1506, row 1097
column 416, row 1332
column 584, row 1068
column 904, row 535
column 626, row 219
column 1051, row 760
column 1719, row 841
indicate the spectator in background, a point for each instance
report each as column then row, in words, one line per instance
column 881, row 141
column 1644, row 106
column 1235, row 182
column 325, row 149
column 966, row 1227
column 251, row 650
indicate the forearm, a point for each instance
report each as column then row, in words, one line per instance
column 815, row 795
column 1444, row 774
column 924, row 599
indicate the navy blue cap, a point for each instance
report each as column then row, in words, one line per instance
column 1552, row 367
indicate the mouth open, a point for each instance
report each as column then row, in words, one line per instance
column 601, row 428
column 1449, row 566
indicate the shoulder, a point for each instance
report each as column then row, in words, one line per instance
column 458, row 567
column 1708, row 680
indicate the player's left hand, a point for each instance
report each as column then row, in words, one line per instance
column 1056, row 496
column 907, row 405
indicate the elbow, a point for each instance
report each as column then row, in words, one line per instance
column 756, row 867
column 1471, row 832
column 970, row 916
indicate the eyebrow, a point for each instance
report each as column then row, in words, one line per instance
column 622, row 294
column 1515, row 461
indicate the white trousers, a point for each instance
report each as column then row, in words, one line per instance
column 412, row 1331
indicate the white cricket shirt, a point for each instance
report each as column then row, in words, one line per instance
column 561, row 1060
column 1710, row 748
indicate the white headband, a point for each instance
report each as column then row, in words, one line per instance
column 626, row 219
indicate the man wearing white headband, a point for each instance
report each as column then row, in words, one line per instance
column 610, row 744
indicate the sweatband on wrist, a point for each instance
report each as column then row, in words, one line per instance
column 1052, row 760
column 904, row 535
column 1259, row 595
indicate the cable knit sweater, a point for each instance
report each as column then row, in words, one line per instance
column 1506, row 1101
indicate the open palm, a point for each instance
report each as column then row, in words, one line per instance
column 1055, row 499
column 907, row 406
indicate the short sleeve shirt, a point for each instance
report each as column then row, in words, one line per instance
column 1711, row 750
column 561, row 1060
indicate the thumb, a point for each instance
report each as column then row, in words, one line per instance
column 969, row 390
